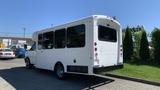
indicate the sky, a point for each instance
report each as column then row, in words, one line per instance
column 40, row 14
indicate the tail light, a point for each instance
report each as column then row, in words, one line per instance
column 1, row 53
column 121, row 50
column 95, row 53
column 13, row 53
column 95, row 44
column 95, row 49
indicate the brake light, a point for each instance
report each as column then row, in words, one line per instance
column 95, row 44
column 1, row 53
column 13, row 53
column 121, row 50
column 121, row 47
column 95, row 49
column 95, row 52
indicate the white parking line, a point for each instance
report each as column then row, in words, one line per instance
column 4, row 85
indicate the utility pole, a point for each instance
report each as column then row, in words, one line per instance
column 25, row 44
column 24, row 34
column 51, row 25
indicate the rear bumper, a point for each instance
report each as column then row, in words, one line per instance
column 108, row 68
column 77, row 69
column 85, row 69
column 4, row 56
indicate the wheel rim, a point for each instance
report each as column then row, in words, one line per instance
column 60, row 71
column 27, row 63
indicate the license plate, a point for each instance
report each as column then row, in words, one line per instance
column 8, row 54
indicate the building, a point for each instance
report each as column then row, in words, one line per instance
column 15, row 41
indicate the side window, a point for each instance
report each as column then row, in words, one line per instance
column 60, row 38
column 33, row 48
column 40, row 41
column 76, row 36
column 48, row 40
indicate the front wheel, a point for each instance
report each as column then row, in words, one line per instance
column 60, row 71
column 28, row 64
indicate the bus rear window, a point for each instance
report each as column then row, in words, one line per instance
column 107, row 34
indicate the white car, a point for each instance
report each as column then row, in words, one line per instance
column 6, row 53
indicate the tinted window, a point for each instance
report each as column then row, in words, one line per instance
column 60, row 38
column 48, row 40
column 76, row 36
column 33, row 48
column 107, row 34
column 40, row 41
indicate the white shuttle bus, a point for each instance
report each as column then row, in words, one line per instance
column 78, row 47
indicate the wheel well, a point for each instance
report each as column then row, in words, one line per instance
column 58, row 63
column 26, row 58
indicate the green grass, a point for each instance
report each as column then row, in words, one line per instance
column 146, row 72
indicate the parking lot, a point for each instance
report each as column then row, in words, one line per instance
column 15, row 76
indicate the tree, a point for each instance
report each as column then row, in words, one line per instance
column 144, row 48
column 156, row 45
column 127, row 45
column 137, row 39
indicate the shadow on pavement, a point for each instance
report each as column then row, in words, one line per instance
column 6, row 59
column 25, row 79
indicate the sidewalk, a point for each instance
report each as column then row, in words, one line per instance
column 4, row 85
column 121, row 84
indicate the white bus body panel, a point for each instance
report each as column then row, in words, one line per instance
column 47, row 58
column 108, row 53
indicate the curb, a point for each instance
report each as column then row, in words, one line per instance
column 133, row 79
column 5, row 85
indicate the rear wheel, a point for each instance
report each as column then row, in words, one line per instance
column 60, row 71
column 28, row 64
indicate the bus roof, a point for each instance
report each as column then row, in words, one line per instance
column 92, row 16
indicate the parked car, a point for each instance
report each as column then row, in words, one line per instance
column 6, row 53
column 20, row 52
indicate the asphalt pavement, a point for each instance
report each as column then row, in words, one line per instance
column 14, row 76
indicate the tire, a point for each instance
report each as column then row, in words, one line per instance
column 60, row 71
column 28, row 64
